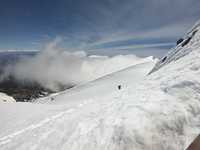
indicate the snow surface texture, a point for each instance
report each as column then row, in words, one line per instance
column 160, row 111
column 6, row 99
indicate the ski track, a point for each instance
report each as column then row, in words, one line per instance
column 51, row 127
column 6, row 139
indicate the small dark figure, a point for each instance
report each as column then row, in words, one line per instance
column 52, row 99
column 119, row 87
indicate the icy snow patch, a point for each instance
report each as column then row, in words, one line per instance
column 6, row 99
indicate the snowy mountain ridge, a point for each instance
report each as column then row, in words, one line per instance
column 186, row 44
column 160, row 111
column 104, row 85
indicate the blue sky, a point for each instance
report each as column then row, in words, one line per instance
column 97, row 26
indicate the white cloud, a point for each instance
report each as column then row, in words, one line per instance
column 53, row 67
column 169, row 31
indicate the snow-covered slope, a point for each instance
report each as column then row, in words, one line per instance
column 33, row 117
column 104, row 86
column 6, row 99
column 160, row 111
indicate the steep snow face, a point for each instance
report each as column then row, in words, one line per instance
column 6, row 99
column 185, row 45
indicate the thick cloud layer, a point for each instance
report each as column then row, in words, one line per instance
column 54, row 67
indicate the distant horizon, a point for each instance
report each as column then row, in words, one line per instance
column 123, row 50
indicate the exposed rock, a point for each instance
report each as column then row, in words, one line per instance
column 22, row 92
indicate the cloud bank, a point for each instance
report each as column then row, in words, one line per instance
column 54, row 67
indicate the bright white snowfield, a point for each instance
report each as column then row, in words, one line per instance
column 156, row 111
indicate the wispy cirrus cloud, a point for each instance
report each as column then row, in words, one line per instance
column 86, row 24
column 106, row 22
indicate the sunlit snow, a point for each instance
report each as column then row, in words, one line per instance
column 156, row 111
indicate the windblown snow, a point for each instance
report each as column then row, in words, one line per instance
column 152, row 111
